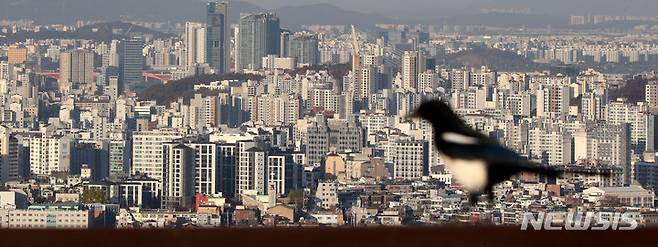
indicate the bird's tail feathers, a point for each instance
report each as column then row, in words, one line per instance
column 588, row 172
column 555, row 172
column 547, row 171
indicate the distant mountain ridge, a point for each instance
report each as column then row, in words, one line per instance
column 69, row 11
column 494, row 59
column 321, row 13
column 98, row 32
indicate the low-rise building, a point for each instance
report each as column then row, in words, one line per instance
column 50, row 216
column 634, row 196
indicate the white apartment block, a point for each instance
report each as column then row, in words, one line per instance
column 552, row 146
column 178, row 178
column 519, row 104
column 553, row 101
column 49, row 154
column 277, row 109
column 622, row 112
column 147, row 151
column 252, row 169
column 428, row 80
column 413, row 63
column 651, row 94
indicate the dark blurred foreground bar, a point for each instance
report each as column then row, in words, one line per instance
column 335, row 237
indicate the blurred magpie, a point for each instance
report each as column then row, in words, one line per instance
column 476, row 162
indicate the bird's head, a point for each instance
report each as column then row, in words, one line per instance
column 439, row 114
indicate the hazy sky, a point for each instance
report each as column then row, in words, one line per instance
column 426, row 8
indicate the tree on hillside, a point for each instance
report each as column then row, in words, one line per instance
column 94, row 195
column 170, row 92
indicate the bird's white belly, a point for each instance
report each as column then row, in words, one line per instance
column 472, row 175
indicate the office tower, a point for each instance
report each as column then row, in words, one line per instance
column 260, row 35
column 16, row 54
column 304, row 48
column 284, row 173
column 276, row 62
column 236, row 49
column 147, row 151
column 228, row 155
column 92, row 154
column 413, row 63
column 217, row 36
column 336, row 134
column 118, row 161
column 195, row 44
column 76, row 71
column 410, row 159
column 114, row 58
column 9, row 162
column 132, row 62
column 285, row 43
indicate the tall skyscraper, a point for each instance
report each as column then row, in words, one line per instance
column 195, row 43
column 413, row 63
column 178, row 175
column 364, row 82
column 304, row 48
column 217, row 36
column 132, row 62
column 285, row 43
column 76, row 70
column 113, row 54
column 260, row 35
